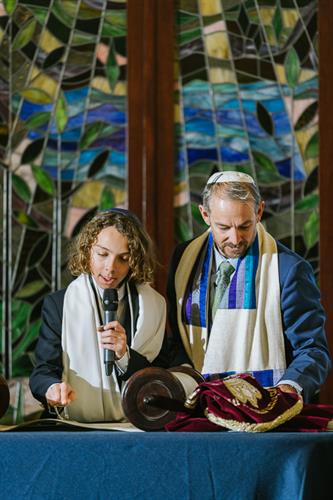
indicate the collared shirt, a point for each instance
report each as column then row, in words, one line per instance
column 218, row 258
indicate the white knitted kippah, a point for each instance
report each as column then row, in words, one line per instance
column 230, row 176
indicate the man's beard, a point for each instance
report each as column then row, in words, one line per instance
column 239, row 250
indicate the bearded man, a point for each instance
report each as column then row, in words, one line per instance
column 240, row 301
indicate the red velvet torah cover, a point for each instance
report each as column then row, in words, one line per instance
column 240, row 403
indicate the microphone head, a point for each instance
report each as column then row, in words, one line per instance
column 110, row 299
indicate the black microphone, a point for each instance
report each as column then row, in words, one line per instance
column 110, row 306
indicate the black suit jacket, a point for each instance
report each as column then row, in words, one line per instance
column 48, row 353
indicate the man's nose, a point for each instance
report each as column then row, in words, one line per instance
column 234, row 236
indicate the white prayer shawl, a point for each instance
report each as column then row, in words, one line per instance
column 98, row 396
column 241, row 340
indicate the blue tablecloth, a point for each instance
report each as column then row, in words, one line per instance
column 188, row 466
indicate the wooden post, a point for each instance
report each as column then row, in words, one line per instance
column 151, row 123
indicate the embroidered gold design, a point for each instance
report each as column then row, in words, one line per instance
column 243, row 391
column 233, row 425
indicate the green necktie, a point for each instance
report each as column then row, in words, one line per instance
column 222, row 280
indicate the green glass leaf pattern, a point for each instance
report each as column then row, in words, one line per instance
column 117, row 17
column 265, row 118
column 37, row 120
column 111, row 30
column 292, row 67
column 25, row 34
column 24, row 344
column 196, row 214
column 43, row 179
column 307, row 116
column 112, row 69
column 21, row 188
column 32, row 151
column 185, row 19
column 25, row 219
column 17, row 137
column 312, row 147
column 107, row 198
column 20, row 315
column 61, row 24
column 30, row 289
column 278, row 22
column 37, row 96
column 199, row 226
column 311, row 93
column 98, row 164
column 91, row 134
column 189, row 36
column 182, row 230
column 311, row 230
column 309, row 202
column 39, row 13
column 62, row 15
column 115, row 23
column 203, row 168
column 267, row 172
column 9, row 6
column 61, row 113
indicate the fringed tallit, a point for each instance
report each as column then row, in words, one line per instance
column 98, row 396
column 246, row 334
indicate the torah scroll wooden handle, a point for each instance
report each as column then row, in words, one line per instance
column 152, row 396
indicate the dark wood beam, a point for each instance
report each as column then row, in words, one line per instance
column 151, row 122
column 326, row 174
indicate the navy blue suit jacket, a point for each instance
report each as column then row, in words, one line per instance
column 303, row 318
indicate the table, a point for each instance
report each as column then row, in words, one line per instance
column 165, row 466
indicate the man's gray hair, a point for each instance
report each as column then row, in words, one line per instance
column 241, row 191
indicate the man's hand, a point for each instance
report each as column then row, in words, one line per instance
column 60, row 394
column 287, row 388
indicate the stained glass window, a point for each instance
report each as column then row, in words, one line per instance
column 247, row 100
column 63, row 152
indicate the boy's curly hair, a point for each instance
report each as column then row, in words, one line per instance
column 142, row 259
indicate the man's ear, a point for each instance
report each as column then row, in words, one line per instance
column 204, row 214
column 260, row 211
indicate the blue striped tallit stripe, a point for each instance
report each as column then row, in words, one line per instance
column 233, row 290
column 251, row 265
column 188, row 307
column 264, row 377
column 204, row 282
